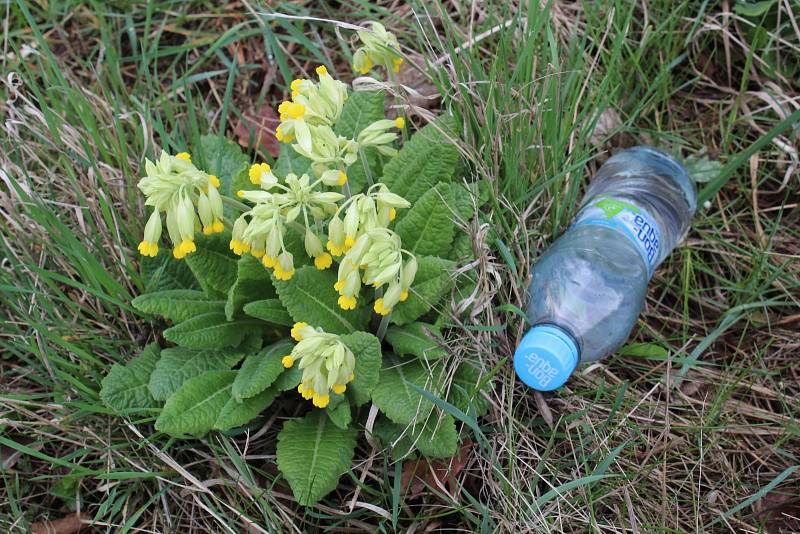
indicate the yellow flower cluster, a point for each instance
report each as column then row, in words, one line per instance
column 261, row 230
column 173, row 185
column 380, row 47
column 328, row 364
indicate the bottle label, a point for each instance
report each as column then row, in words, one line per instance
column 630, row 220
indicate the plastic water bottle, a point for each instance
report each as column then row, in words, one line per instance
column 588, row 288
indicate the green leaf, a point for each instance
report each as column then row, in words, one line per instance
column 178, row 364
column 125, row 386
column 463, row 391
column 427, row 159
column 755, row 9
column 462, row 251
column 289, row 161
column 395, row 398
column 236, row 413
column 210, row 331
column 289, row 379
column 437, row 438
column 224, row 159
column 360, row 110
column 340, row 414
column 432, row 282
column 195, row 407
column 428, row 227
column 165, row 272
column 252, row 283
column 213, row 264
column 422, row 340
column 177, row 304
column 309, row 297
column 366, row 350
column 463, row 204
column 260, row 370
column 312, row 454
column 269, row 310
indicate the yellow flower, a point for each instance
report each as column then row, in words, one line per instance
column 147, row 248
column 342, row 178
column 305, row 390
column 392, row 214
column 347, row 303
column 321, row 401
column 269, row 261
column 214, row 180
column 287, row 361
column 321, row 70
column 297, row 330
column 400, row 123
column 403, row 296
column 323, row 261
column 327, row 365
column 380, row 308
column 185, row 156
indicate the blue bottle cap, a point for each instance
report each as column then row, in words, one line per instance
column 545, row 358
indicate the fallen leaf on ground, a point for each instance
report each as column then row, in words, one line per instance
column 257, row 130
column 435, row 473
column 71, row 524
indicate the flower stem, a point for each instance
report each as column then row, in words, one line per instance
column 383, row 326
column 363, row 157
column 235, row 204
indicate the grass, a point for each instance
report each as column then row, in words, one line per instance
column 690, row 427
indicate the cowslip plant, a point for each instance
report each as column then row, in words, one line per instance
column 317, row 280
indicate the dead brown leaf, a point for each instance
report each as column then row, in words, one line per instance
column 435, row 473
column 257, row 130
column 780, row 512
column 71, row 524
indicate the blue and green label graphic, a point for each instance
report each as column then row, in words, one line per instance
column 629, row 219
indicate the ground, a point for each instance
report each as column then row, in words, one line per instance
column 691, row 427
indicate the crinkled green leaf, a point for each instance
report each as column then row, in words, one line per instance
column 195, row 407
column 252, row 284
column 269, row 310
column 289, row 379
column 125, row 386
column 437, row 437
column 210, row 331
column 463, row 391
column 422, row 340
column 427, row 159
column 428, row 227
column 260, row 370
column 360, row 110
column 312, row 454
column 179, row 364
column 223, row 158
column 236, row 413
column 309, row 297
column 165, row 272
column 463, row 205
column 366, row 350
column 462, row 251
column 340, row 414
column 213, row 264
column 395, row 398
column 289, row 161
column 177, row 304
column 433, row 281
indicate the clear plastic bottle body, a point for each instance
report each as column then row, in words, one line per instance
column 591, row 283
